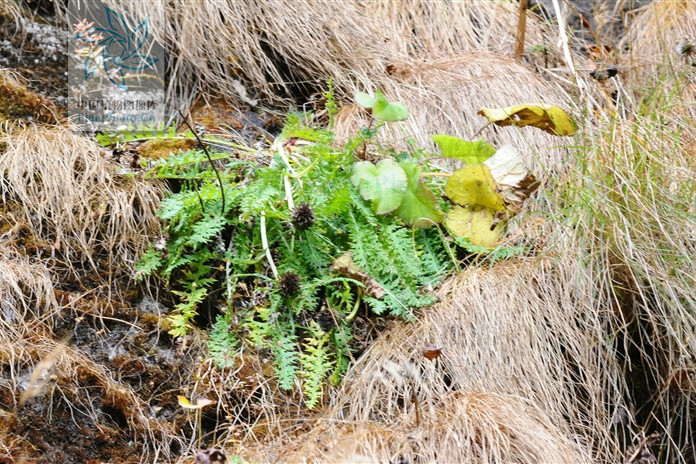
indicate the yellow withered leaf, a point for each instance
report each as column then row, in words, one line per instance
column 200, row 402
column 476, row 223
column 549, row 118
column 474, row 185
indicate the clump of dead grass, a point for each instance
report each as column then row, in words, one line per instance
column 282, row 53
column 662, row 52
column 25, row 289
column 465, row 427
column 444, row 96
column 273, row 49
column 632, row 200
column 421, row 28
column 12, row 9
column 73, row 197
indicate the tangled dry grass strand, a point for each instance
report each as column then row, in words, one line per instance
column 26, row 290
column 12, row 9
column 662, row 52
column 276, row 50
column 417, row 28
column 466, row 427
column 444, row 96
column 73, row 197
column 283, row 52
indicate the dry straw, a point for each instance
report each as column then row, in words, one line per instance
column 662, row 47
column 71, row 196
column 465, row 427
column 26, row 289
column 637, row 219
column 283, row 52
column 444, row 96
column 421, row 28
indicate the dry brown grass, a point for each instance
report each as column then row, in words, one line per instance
column 636, row 217
column 72, row 197
column 26, row 290
column 658, row 28
column 283, row 52
column 444, row 96
column 12, row 9
column 276, row 49
column 652, row 40
column 465, row 427
column 420, row 28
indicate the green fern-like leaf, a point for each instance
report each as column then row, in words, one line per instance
column 433, row 258
column 259, row 327
column 186, row 310
column 313, row 251
column 205, row 229
column 317, row 361
column 286, row 356
column 223, row 343
column 149, row 262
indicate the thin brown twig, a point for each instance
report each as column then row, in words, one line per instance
column 210, row 160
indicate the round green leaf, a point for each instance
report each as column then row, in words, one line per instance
column 389, row 111
column 384, row 184
column 473, row 185
column 419, row 206
column 365, row 100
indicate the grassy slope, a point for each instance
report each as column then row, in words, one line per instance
column 544, row 352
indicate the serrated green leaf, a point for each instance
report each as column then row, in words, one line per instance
column 419, row 206
column 384, row 184
column 463, row 150
column 149, row 262
column 477, row 224
column 473, row 185
column 205, row 229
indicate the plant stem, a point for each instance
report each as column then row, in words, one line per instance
column 435, row 174
column 355, row 307
column 210, row 160
column 264, row 244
